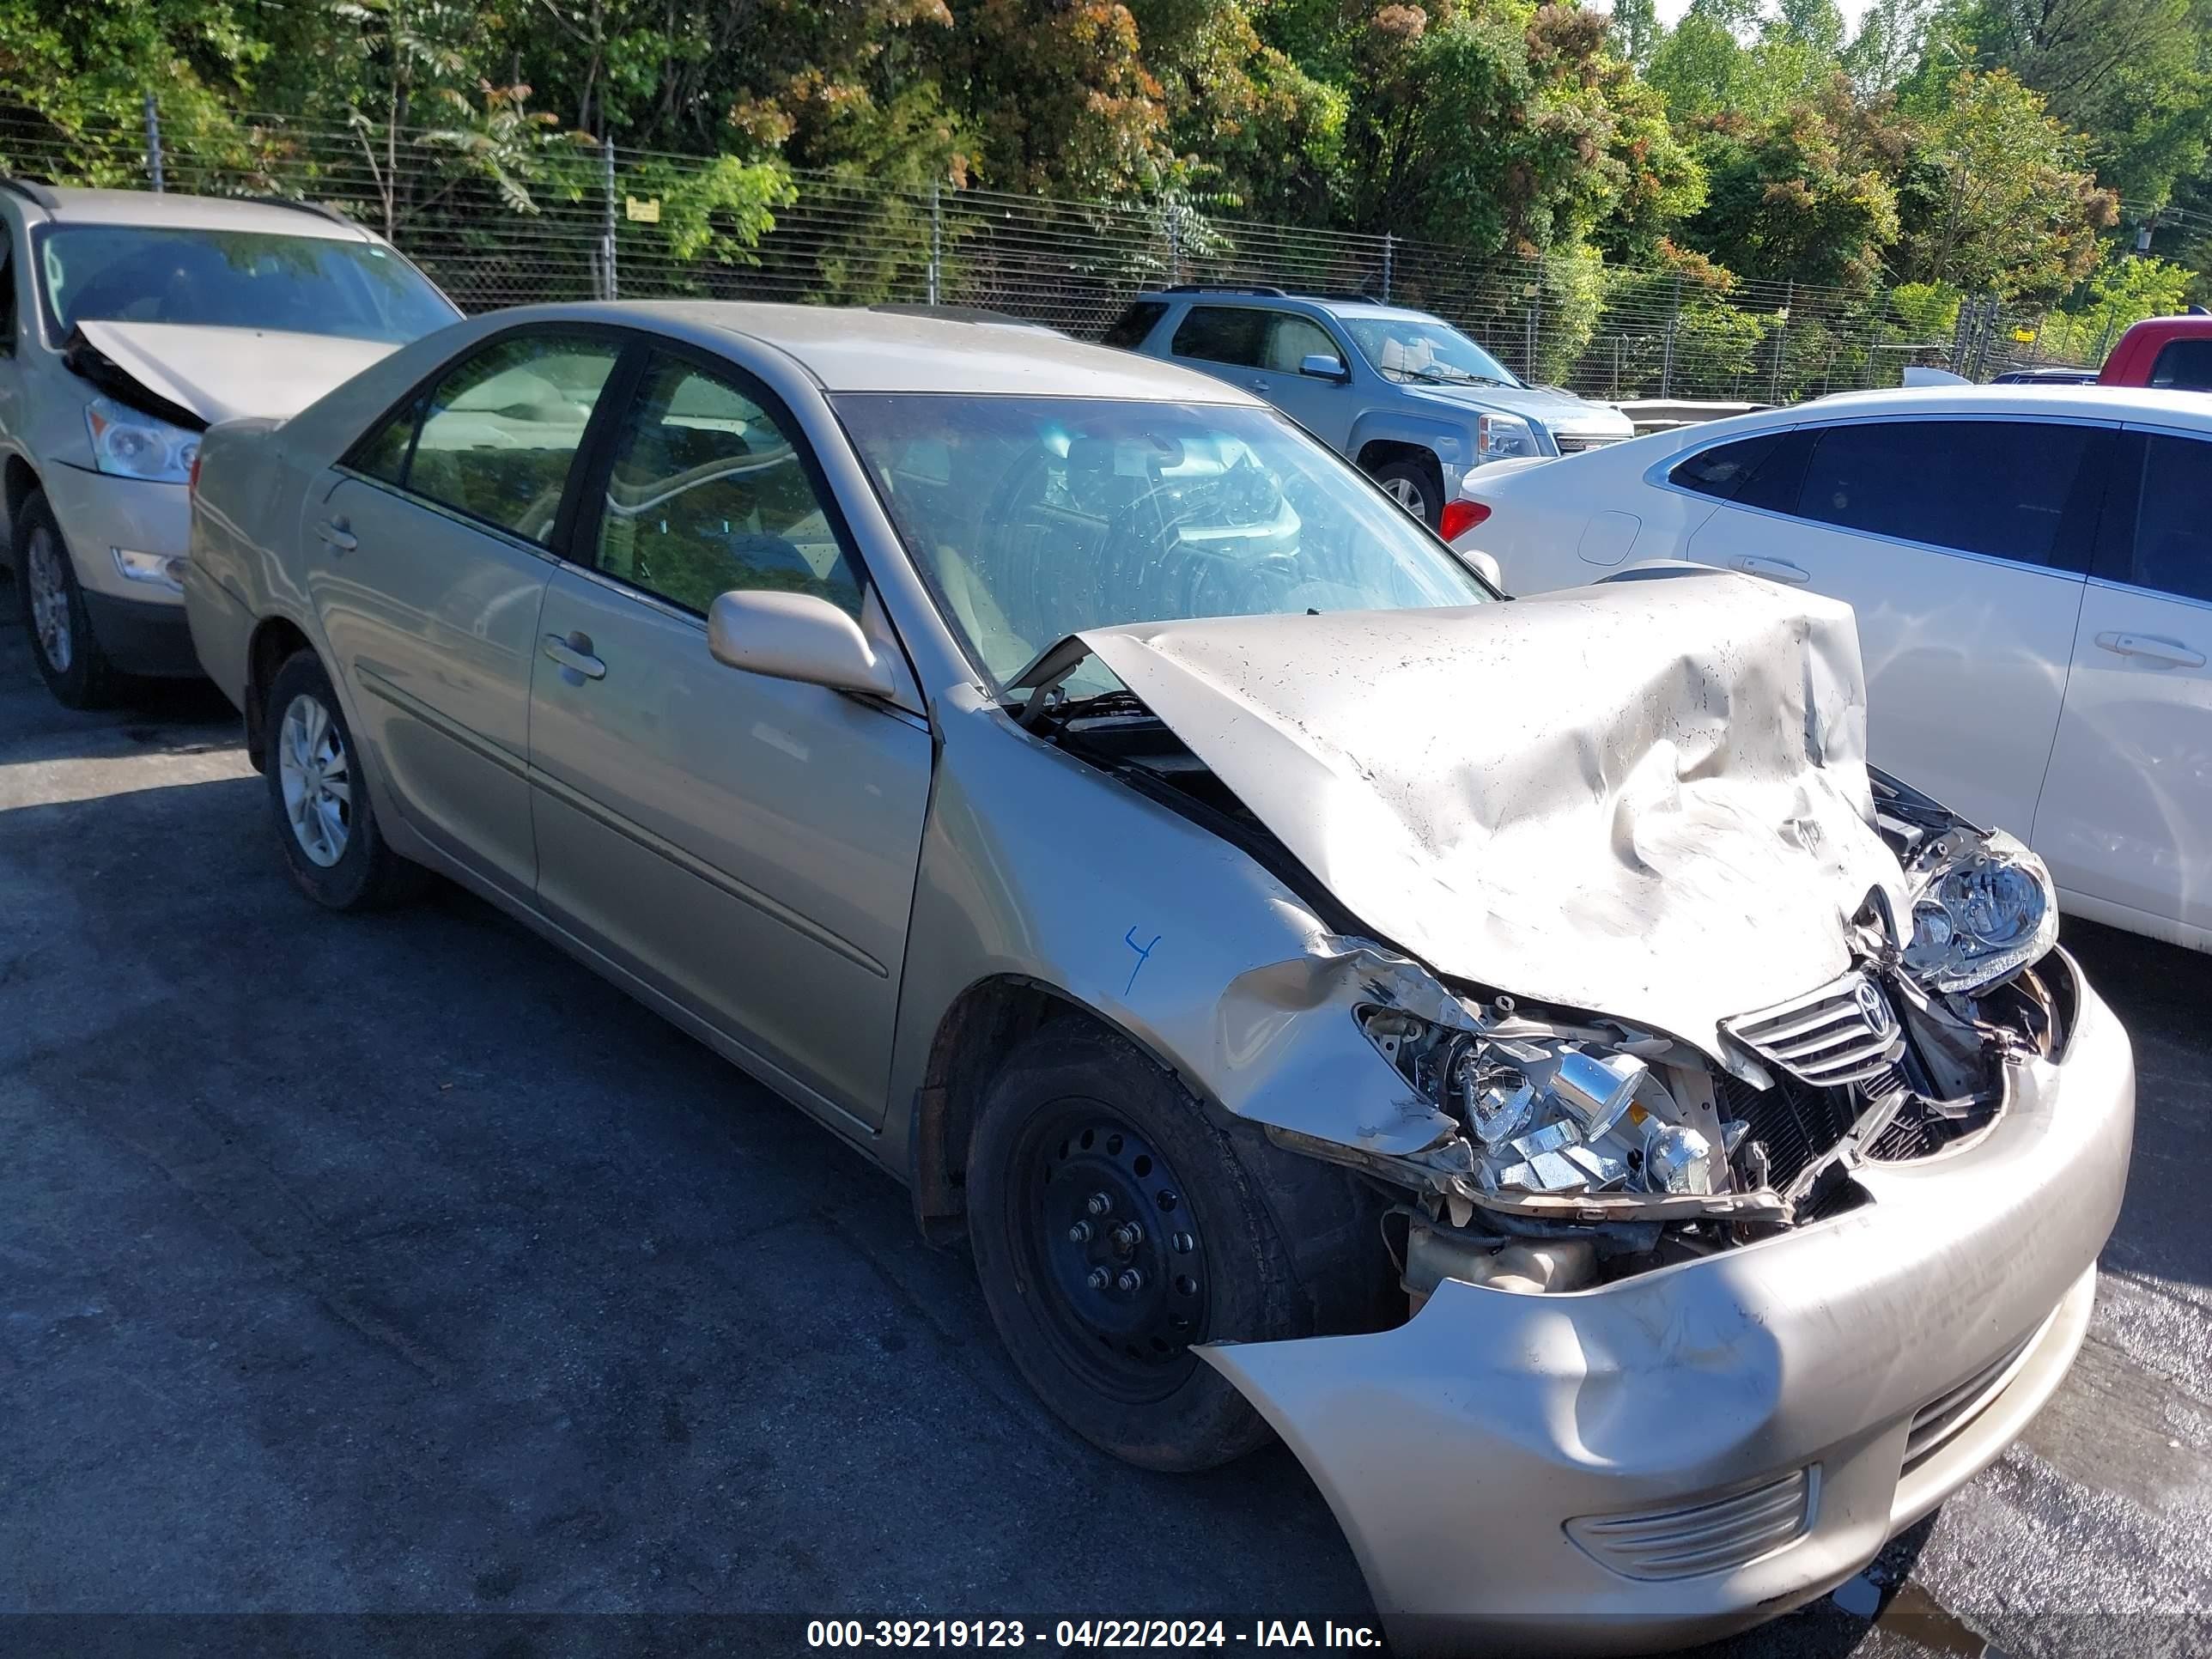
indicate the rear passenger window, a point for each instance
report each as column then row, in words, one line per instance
column 2184, row 365
column 500, row 431
column 1722, row 470
column 1224, row 334
column 383, row 454
column 709, row 494
column 2172, row 551
column 1128, row 330
column 1997, row 488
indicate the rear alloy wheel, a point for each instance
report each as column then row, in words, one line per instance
column 76, row 670
column 1415, row 487
column 317, row 794
column 314, row 775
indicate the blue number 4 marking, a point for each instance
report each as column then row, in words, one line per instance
column 1143, row 951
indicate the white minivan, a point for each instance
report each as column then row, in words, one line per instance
column 129, row 322
column 2032, row 568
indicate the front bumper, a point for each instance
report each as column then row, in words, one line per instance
column 1456, row 1449
column 140, row 625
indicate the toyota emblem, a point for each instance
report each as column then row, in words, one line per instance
column 1874, row 1006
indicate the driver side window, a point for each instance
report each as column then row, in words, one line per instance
column 709, row 494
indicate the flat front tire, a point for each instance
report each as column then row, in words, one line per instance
column 320, row 800
column 1115, row 1226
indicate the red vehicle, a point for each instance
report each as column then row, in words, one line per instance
column 2171, row 353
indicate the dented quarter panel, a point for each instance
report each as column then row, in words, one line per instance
column 1454, row 1448
column 1650, row 799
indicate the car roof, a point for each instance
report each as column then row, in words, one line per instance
column 169, row 211
column 852, row 348
column 1337, row 304
column 2096, row 402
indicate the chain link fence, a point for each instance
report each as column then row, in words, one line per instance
column 501, row 212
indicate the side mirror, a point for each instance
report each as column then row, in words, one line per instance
column 796, row 636
column 1484, row 567
column 1324, row 366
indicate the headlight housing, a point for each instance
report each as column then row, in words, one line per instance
column 1502, row 437
column 1982, row 910
column 1548, row 1116
column 132, row 444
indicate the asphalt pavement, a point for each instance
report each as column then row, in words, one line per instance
column 397, row 1265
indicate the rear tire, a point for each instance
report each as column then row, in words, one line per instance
column 1417, row 486
column 76, row 670
column 319, row 798
column 1077, row 1115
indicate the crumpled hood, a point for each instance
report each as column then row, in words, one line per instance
column 222, row 373
column 1644, row 799
column 1561, row 412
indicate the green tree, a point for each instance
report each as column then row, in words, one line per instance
column 1636, row 31
column 1998, row 199
column 1809, row 196
column 2136, row 75
column 1503, row 127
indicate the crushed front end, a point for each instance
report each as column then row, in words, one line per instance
column 1620, row 1434
column 1744, row 1142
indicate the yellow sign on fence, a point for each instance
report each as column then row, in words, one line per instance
column 644, row 213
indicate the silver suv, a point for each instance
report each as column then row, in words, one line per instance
column 1405, row 394
column 129, row 322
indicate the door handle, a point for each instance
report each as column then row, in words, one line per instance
column 334, row 531
column 1775, row 570
column 2172, row 652
column 575, row 655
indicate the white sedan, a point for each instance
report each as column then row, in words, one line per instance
column 2032, row 568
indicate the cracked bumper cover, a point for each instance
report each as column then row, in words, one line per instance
column 1455, row 1449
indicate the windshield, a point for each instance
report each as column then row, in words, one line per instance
column 1421, row 349
column 230, row 279
column 1035, row 518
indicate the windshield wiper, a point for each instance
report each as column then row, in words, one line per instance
column 1438, row 374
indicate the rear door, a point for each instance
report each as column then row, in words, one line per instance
column 2126, row 817
column 427, row 553
column 1961, row 544
column 744, row 845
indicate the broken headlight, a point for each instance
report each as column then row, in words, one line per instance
column 1983, row 908
column 1544, row 1115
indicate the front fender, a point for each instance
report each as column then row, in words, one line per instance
column 1451, row 441
column 1037, row 867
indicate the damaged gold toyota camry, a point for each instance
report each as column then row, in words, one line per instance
column 1636, row 1156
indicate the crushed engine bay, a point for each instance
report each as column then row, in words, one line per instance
column 1532, row 1143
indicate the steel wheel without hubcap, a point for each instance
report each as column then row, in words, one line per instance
column 317, row 781
column 49, row 599
column 1113, row 1253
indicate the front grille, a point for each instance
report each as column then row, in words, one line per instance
column 1573, row 444
column 1718, row 1536
column 1944, row 1416
column 1794, row 1122
column 1844, row 1032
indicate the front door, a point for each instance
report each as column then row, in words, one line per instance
column 2126, row 817
column 745, row 845
column 1961, row 545
column 1323, row 406
column 427, row 560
